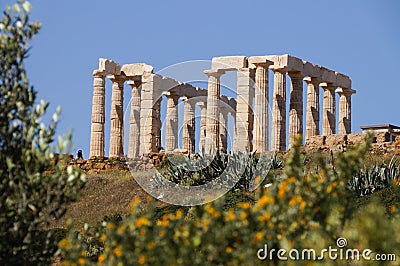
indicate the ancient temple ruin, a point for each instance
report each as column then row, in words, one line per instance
column 249, row 109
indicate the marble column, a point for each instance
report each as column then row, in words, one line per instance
column 98, row 115
column 244, row 111
column 150, row 89
column 116, row 115
column 157, row 124
column 213, row 98
column 188, row 134
column 203, row 125
column 329, row 110
column 261, row 108
column 223, row 129
column 171, row 123
column 312, row 113
column 279, row 111
column 295, row 106
column 134, row 120
column 344, row 110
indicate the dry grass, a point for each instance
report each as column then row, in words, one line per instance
column 105, row 194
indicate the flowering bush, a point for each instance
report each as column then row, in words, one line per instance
column 302, row 211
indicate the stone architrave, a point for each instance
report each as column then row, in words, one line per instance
column 171, row 123
column 312, row 115
column 203, row 125
column 188, row 135
column 134, row 120
column 344, row 110
column 213, row 98
column 98, row 115
column 244, row 113
column 295, row 106
column 279, row 111
column 329, row 109
column 116, row 115
column 261, row 111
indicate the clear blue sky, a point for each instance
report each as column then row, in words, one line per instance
column 358, row 38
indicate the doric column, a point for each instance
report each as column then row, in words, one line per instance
column 279, row 111
column 116, row 115
column 213, row 98
column 295, row 106
column 203, row 125
column 157, row 124
column 329, row 109
column 244, row 112
column 98, row 114
column 188, row 134
column 149, row 113
column 345, row 110
column 261, row 101
column 223, row 129
column 312, row 113
column 171, row 123
column 134, row 120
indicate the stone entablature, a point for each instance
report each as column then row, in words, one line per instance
column 251, row 120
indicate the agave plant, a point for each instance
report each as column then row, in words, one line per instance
column 378, row 177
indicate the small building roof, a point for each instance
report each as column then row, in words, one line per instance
column 381, row 126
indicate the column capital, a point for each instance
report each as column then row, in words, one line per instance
column 120, row 79
column 345, row 91
column 214, row 72
column 275, row 69
column 311, row 80
column 99, row 74
column 170, row 94
column 202, row 104
column 327, row 86
column 295, row 74
column 134, row 83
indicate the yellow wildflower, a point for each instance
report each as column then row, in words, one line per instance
column 265, row 217
column 206, row 223
column 142, row 221
column 179, row 213
column 152, row 245
column 110, row 225
column 102, row 237
column 230, row 216
column 117, row 251
column 120, row 230
column 392, row 208
column 101, row 258
column 259, row 237
column 65, row 244
column 264, row 200
column 142, row 259
column 81, row 261
column 228, row 250
column 243, row 205
column 243, row 215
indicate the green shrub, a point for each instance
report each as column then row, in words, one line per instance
column 34, row 186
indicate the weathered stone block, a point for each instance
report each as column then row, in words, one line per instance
column 343, row 80
column 229, row 62
column 311, row 70
column 109, row 66
column 131, row 70
column 328, row 76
